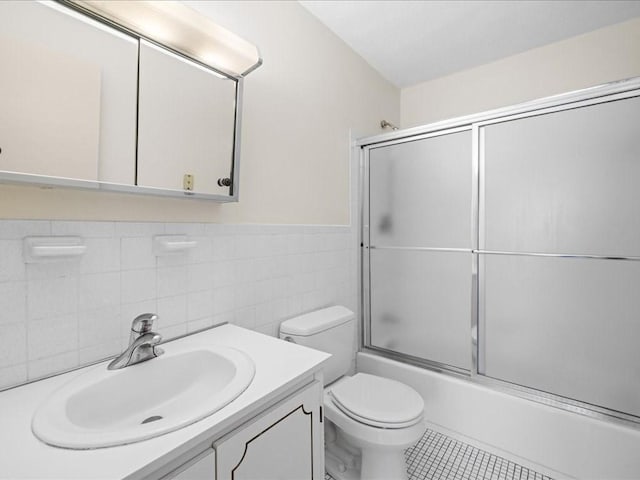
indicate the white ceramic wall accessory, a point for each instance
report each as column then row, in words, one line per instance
column 43, row 249
column 172, row 244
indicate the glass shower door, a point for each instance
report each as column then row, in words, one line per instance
column 560, row 254
column 419, row 248
column 508, row 249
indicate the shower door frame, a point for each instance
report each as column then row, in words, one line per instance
column 367, row 247
column 582, row 98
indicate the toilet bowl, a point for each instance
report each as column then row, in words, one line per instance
column 371, row 433
column 369, row 420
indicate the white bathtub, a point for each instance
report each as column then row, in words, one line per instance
column 558, row 440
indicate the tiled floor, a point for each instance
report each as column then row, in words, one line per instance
column 437, row 456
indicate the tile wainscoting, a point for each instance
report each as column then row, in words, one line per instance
column 56, row 316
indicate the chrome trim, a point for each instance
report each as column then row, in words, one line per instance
column 434, row 133
column 141, row 324
column 365, row 255
column 425, row 249
column 475, row 179
column 558, row 255
column 143, row 349
column 363, row 267
column 557, row 401
column 54, row 182
column 473, row 311
column 49, row 181
column 603, row 90
column 475, row 146
column 419, row 362
column 549, row 399
column 480, row 317
column 481, row 190
column 163, row 192
column 234, row 189
column 561, row 107
column 386, row 124
column 143, row 343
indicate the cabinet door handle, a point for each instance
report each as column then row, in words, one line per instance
column 224, row 182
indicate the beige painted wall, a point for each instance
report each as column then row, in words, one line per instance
column 604, row 55
column 298, row 110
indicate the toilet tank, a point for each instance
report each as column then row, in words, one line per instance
column 330, row 330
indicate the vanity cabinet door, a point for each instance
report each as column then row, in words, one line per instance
column 286, row 442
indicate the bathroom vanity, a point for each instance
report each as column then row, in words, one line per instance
column 274, row 429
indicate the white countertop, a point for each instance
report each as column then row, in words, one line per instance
column 279, row 366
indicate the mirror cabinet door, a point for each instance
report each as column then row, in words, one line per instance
column 186, row 123
column 69, row 95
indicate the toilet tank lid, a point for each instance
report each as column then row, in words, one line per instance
column 318, row 321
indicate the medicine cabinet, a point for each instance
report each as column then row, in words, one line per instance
column 93, row 99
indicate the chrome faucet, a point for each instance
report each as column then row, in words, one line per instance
column 142, row 343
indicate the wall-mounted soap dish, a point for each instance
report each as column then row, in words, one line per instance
column 46, row 249
column 172, row 244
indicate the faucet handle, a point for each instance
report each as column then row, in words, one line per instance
column 142, row 323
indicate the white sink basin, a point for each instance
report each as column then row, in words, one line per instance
column 103, row 408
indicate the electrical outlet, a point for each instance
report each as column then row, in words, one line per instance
column 187, row 182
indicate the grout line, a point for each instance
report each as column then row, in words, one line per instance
column 439, row 456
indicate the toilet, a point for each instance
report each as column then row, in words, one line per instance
column 369, row 420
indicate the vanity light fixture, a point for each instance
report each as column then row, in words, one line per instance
column 180, row 28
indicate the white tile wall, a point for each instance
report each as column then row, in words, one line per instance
column 59, row 315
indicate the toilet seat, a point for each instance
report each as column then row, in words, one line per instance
column 369, row 434
column 377, row 401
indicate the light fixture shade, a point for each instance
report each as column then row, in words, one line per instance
column 182, row 29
